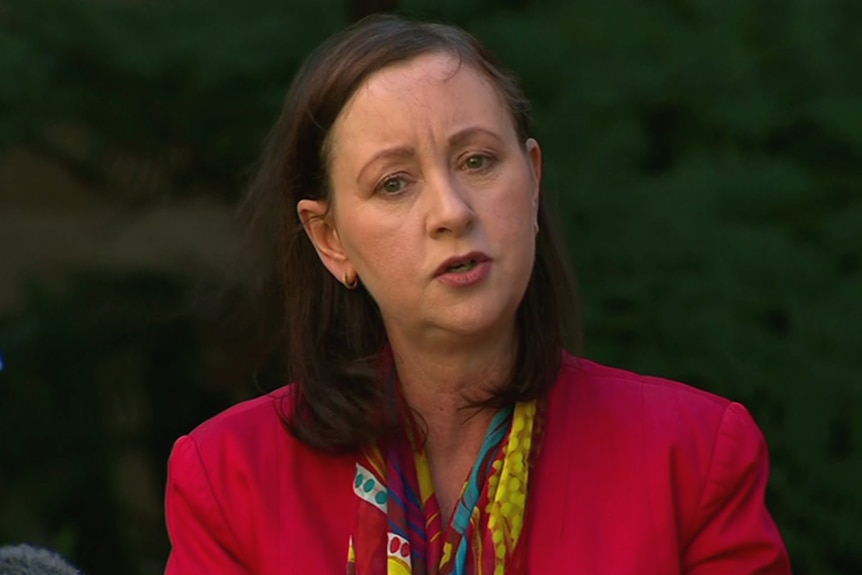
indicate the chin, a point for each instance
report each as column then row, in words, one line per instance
column 483, row 323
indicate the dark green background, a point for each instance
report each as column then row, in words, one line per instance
column 705, row 158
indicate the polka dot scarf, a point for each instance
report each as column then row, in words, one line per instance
column 398, row 530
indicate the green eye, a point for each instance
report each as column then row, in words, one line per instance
column 477, row 162
column 393, row 185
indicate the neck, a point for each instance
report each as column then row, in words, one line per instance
column 440, row 382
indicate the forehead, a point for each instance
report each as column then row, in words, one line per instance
column 432, row 68
column 438, row 86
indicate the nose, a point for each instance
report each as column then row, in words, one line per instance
column 449, row 209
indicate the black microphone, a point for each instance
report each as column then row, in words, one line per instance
column 29, row 560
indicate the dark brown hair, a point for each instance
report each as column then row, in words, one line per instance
column 332, row 337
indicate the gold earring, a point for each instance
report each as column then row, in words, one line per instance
column 536, row 221
column 350, row 284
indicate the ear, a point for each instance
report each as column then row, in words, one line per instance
column 534, row 159
column 317, row 221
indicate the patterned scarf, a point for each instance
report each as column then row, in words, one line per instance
column 398, row 528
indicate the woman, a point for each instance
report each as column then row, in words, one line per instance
column 435, row 423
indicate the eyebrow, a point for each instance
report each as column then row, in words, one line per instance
column 403, row 152
column 461, row 136
column 399, row 152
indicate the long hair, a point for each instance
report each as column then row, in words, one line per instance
column 331, row 338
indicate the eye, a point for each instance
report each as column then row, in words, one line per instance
column 392, row 185
column 478, row 162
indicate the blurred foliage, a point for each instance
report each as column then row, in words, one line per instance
column 99, row 381
column 705, row 157
column 189, row 87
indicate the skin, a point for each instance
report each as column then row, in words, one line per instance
column 426, row 165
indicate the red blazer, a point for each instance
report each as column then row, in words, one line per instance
column 637, row 476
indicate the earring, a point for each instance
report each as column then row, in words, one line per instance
column 350, row 284
column 535, row 209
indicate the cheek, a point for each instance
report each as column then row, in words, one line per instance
column 512, row 213
column 382, row 253
column 390, row 275
column 512, row 224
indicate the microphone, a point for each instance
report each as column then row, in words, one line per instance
column 29, row 560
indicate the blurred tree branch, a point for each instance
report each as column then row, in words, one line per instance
column 359, row 9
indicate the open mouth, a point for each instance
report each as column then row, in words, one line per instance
column 463, row 266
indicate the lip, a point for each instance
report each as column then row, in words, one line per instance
column 478, row 257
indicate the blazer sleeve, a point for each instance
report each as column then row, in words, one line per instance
column 201, row 537
column 733, row 533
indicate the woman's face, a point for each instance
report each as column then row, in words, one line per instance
column 434, row 201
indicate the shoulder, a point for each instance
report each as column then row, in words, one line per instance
column 241, row 451
column 660, row 427
column 234, row 479
column 249, row 443
column 257, row 421
column 622, row 383
column 676, row 473
column 681, row 445
column 236, row 448
column 664, row 407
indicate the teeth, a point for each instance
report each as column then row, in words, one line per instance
column 466, row 266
